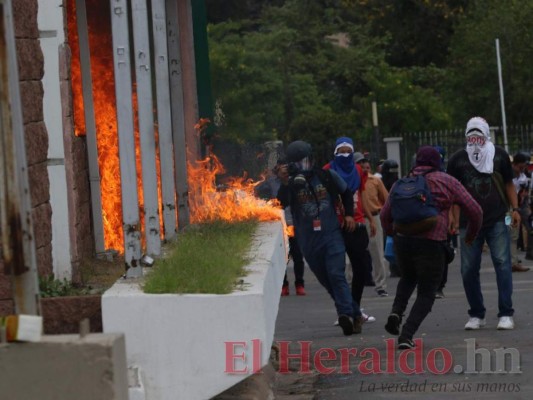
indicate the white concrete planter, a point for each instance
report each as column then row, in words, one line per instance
column 177, row 343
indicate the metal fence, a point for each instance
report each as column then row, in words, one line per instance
column 252, row 160
column 519, row 138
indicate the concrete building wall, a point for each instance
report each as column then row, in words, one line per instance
column 67, row 160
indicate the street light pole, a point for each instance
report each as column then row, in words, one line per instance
column 376, row 129
column 500, row 81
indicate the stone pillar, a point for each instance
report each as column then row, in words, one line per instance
column 30, row 63
column 393, row 151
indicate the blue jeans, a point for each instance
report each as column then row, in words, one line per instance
column 499, row 242
column 328, row 263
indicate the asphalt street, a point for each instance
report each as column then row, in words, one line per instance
column 450, row 362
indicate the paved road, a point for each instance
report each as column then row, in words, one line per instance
column 446, row 347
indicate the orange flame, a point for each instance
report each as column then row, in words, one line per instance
column 234, row 201
column 101, row 47
column 207, row 202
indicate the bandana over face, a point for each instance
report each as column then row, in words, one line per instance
column 344, row 165
column 479, row 147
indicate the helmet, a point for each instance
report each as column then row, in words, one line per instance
column 298, row 150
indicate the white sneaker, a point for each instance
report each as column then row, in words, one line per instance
column 368, row 318
column 475, row 323
column 505, row 323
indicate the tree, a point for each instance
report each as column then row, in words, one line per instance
column 472, row 85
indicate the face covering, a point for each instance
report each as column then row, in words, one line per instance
column 479, row 148
column 304, row 165
column 480, row 153
column 344, row 166
column 345, row 161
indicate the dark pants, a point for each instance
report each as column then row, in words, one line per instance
column 421, row 262
column 298, row 260
column 452, row 240
column 356, row 243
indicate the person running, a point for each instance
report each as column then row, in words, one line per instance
column 421, row 257
column 311, row 193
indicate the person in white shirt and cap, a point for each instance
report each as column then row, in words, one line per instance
column 485, row 171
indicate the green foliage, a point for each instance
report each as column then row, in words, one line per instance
column 51, row 287
column 301, row 69
column 208, row 258
column 473, row 75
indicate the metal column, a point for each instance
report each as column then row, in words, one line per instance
column 18, row 243
column 164, row 117
column 128, row 176
column 178, row 117
column 90, row 125
column 146, row 125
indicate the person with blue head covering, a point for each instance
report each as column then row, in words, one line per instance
column 344, row 164
column 356, row 241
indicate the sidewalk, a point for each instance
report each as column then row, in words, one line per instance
column 446, row 346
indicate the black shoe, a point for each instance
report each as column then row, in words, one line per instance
column 382, row 293
column 346, row 324
column 393, row 324
column 404, row 343
column 358, row 324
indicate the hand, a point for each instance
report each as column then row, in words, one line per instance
column 349, row 224
column 283, row 174
column 516, row 219
column 373, row 229
column 469, row 240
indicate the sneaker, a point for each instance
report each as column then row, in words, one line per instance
column 439, row 294
column 358, row 324
column 404, row 343
column 393, row 324
column 368, row 318
column 285, row 290
column 300, row 290
column 346, row 325
column 475, row 323
column 505, row 323
column 382, row 293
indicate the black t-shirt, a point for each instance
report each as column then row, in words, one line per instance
column 482, row 186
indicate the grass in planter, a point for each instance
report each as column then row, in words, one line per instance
column 207, row 258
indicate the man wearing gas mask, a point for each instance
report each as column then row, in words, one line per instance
column 311, row 194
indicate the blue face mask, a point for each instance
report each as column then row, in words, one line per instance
column 345, row 161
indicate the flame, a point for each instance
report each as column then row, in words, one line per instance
column 101, row 47
column 232, row 201
column 236, row 202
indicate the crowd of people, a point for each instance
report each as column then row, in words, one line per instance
column 343, row 210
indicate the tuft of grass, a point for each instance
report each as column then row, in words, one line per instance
column 207, row 258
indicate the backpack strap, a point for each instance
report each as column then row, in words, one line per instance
column 327, row 180
column 497, row 179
